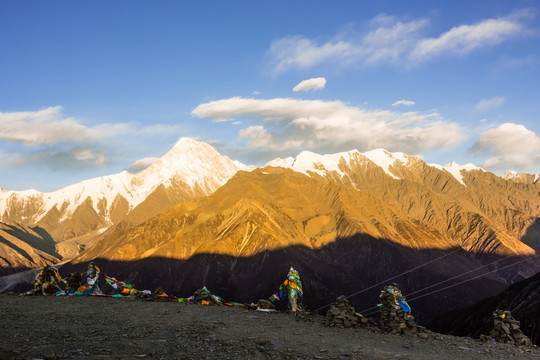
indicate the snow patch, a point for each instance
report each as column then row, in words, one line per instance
column 309, row 161
column 285, row 163
column 320, row 164
column 385, row 159
column 510, row 175
column 455, row 169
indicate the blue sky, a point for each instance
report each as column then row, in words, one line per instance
column 93, row 88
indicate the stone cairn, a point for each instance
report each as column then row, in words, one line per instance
column 393, row 318
column 343, row 315
column 506, row 330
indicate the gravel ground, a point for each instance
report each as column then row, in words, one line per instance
column 106, row 328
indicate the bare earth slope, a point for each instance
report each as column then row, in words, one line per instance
column 104, row 328
column 22, row 247
column 240, row 240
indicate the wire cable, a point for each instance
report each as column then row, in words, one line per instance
column 394, row 277
column 474, row 278
column 460, row 275
column 371, row 310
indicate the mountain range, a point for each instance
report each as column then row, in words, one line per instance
column 347, row 221
column 74, row 215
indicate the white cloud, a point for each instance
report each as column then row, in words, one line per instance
column 404, row 103
column 74, row 159
column 389, row 41
column 90, row 156
column 466, row 38
column 491, row 103
column 47, row 138
column 297, row 51
column 331, row 126
column 142, row 164
column 48, row 126
column 310, row 84
column 510, row 145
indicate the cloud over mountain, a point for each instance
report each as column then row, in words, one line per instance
column 510, row 145
column 291, row 124
column 142, row 164
column 48, row 126
column 48, row 138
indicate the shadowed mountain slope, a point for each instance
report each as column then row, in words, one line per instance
column 521, row 298
column 22, row 248
column 344, row 267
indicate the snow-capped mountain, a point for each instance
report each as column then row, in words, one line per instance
column 308, row 162
column 521, row 177
column 346, row 220
column 72, row 218
column 190, row 169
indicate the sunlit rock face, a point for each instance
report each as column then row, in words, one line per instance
column 74, row 215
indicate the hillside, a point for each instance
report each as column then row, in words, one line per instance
column 73, row 216
column 347, row 221
column 23, row 247
column 522, row 299
column 342, row 237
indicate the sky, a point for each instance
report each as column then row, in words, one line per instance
column 89, row 89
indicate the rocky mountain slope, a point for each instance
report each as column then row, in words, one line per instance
column 72, row 216
column 346, row 221
column 22, row 248
column 522, row 299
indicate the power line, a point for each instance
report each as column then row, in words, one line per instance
column 474, row 278
column 460, row 275
column 370, row 310
column 394, row 277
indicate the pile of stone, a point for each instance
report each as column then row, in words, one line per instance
column 393, row 318
column 506, row 330
column 74, row 281
column 343, row 315
column 265, row 305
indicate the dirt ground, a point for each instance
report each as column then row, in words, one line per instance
column 107, row 328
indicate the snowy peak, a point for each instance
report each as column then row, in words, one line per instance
column 456, row 169
column 521, row 177
column 308, row 161
column 385, row 159
column 193, row 163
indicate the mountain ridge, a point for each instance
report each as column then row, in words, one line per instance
column 81, row 211
column 386, row 195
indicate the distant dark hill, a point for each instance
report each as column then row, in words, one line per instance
column 521, row 298
column 344, row 267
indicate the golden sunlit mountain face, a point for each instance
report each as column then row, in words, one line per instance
column 406, row 202
column 273, row 208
